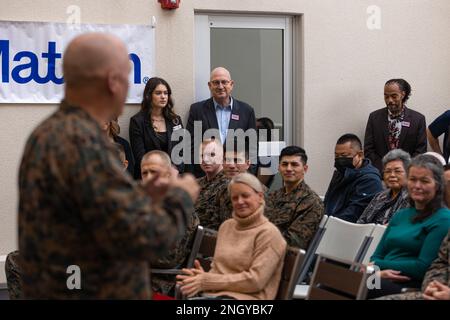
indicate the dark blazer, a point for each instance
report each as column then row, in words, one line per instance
column 205, row 112
column 413, row 139
column 143, row 138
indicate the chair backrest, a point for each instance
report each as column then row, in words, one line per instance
column 292, row 262
column 337, row 279
column 203, row 250
column 199, row 234
column 375, row 238
column 343, row 239
column 309, row 257
column 196, row 244
column 207, row 247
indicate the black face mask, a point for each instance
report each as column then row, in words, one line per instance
column 343, row 163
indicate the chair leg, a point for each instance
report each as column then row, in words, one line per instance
column 178, row 294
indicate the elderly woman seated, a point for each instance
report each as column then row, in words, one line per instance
column 249, row 252
column 395, row 197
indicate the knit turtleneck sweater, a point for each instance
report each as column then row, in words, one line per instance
column 248, row 259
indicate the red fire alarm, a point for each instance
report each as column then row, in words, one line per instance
column 169, row 4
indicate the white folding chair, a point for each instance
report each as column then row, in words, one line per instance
column 375, row 238
column 341, row 239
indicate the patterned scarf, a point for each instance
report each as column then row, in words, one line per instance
column 395, row 128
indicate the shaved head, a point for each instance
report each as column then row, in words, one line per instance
column 91, row 56
column 96, row 69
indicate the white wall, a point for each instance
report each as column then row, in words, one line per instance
column 343, row 66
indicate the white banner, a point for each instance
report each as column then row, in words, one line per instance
column 31, row 58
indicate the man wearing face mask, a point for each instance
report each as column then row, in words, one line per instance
column 395, row 126
column 354, row 183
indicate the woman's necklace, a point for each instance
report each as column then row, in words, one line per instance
column 156, row 123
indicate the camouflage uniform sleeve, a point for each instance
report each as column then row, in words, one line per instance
column 440, row 267
column 13, row 276
column 121, row 216
column 181, row 249
column 212, row 214
column 222, row 208
column 415, row 295
column 269, row 206
column 307, row 218
column 202, row 201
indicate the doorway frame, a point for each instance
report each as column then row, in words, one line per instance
column 202, row 63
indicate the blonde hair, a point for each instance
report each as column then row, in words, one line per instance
column 247, row 179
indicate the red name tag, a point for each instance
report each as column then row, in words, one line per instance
column 235, row 116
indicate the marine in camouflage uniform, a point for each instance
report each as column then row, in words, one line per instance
column 297, row 214
column 78, row 207
column 13, row 275
column 438, row 271
column 208, row 191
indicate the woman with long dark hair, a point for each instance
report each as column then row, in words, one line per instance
column 411, row 241
column 152, row 127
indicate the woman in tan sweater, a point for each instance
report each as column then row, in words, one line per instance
column 249, row 252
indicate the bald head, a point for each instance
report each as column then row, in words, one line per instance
column 91, row 56
column 220, row 72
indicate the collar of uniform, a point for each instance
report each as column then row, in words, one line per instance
column 297, row 188
column 67, row 107
column 218, row 176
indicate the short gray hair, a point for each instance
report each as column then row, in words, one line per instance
column 397, row 154
column 164, row 157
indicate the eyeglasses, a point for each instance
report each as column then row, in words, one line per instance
column 217, row 83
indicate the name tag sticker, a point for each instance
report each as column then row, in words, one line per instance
column 178, row 127
column 235, row 116
column 406, row 124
